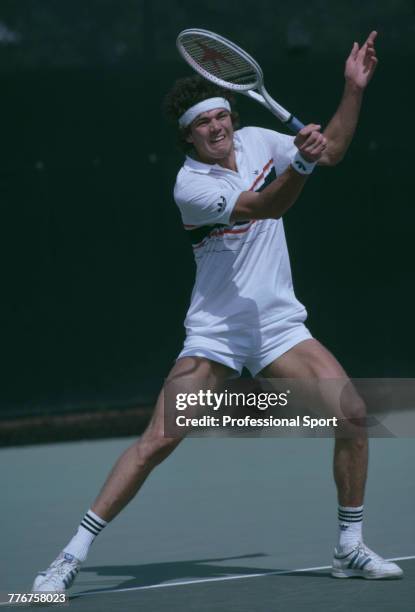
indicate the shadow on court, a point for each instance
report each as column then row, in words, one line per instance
column 289, row 591
column 158, row 573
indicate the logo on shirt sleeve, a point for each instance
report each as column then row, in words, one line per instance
column 221, row 205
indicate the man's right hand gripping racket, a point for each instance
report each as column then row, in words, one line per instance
column 218, row 60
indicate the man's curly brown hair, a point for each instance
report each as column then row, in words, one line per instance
column 187, row 92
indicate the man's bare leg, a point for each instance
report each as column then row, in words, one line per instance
column 136, row 463
column 309, row 359
column 129, row 473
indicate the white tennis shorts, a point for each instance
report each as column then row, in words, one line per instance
column 251, row 348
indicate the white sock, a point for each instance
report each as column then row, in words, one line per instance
column 350, row 526
column 91, row 525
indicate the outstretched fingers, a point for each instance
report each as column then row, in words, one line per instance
column 371, row 38
column 354, row 52
column 369, row 59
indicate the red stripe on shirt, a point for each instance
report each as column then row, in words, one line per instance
column 261, row 176
column 217, row 233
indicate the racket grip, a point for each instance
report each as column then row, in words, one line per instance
column 294, row 124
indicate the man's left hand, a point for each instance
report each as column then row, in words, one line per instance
column 311, row 142
column 361, row 63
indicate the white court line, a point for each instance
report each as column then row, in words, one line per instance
column 219, row 579
column 207, row 580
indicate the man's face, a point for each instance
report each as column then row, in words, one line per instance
column 211, row 134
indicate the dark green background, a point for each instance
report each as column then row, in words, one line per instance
column 96, row 269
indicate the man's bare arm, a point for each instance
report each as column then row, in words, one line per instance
column 360, row 66
column 325, row 149
column 280, row 195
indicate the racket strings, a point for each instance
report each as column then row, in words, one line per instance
column 219, row 60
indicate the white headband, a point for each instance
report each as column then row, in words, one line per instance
column 202, row 107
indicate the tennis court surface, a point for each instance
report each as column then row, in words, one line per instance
column 222, row 525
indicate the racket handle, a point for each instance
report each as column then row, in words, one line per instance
column 294, row 124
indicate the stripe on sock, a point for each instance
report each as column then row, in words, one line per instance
column 350, row 517
column 94, row 533
column 91, row 524
column 100, row 524
column 350, row 530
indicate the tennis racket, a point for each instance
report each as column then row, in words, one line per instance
column 218, row 60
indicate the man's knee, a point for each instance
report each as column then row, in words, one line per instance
column 352, row 423
column 354, row 409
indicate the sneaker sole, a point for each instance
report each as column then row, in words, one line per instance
column 366, row 575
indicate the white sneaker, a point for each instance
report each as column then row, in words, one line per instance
column 59, row 575
column 362, row 562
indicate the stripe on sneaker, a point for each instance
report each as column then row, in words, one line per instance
column 365, row 563
column 356, row 564
column 70, row 578
column 353, row 559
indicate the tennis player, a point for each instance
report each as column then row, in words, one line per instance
column 232, row 192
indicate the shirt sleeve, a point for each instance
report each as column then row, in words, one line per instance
column 282, row 148
column 202, row 201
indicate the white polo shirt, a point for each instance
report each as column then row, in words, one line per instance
column 243, row 276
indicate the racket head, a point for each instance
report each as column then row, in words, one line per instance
column 219, row 60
